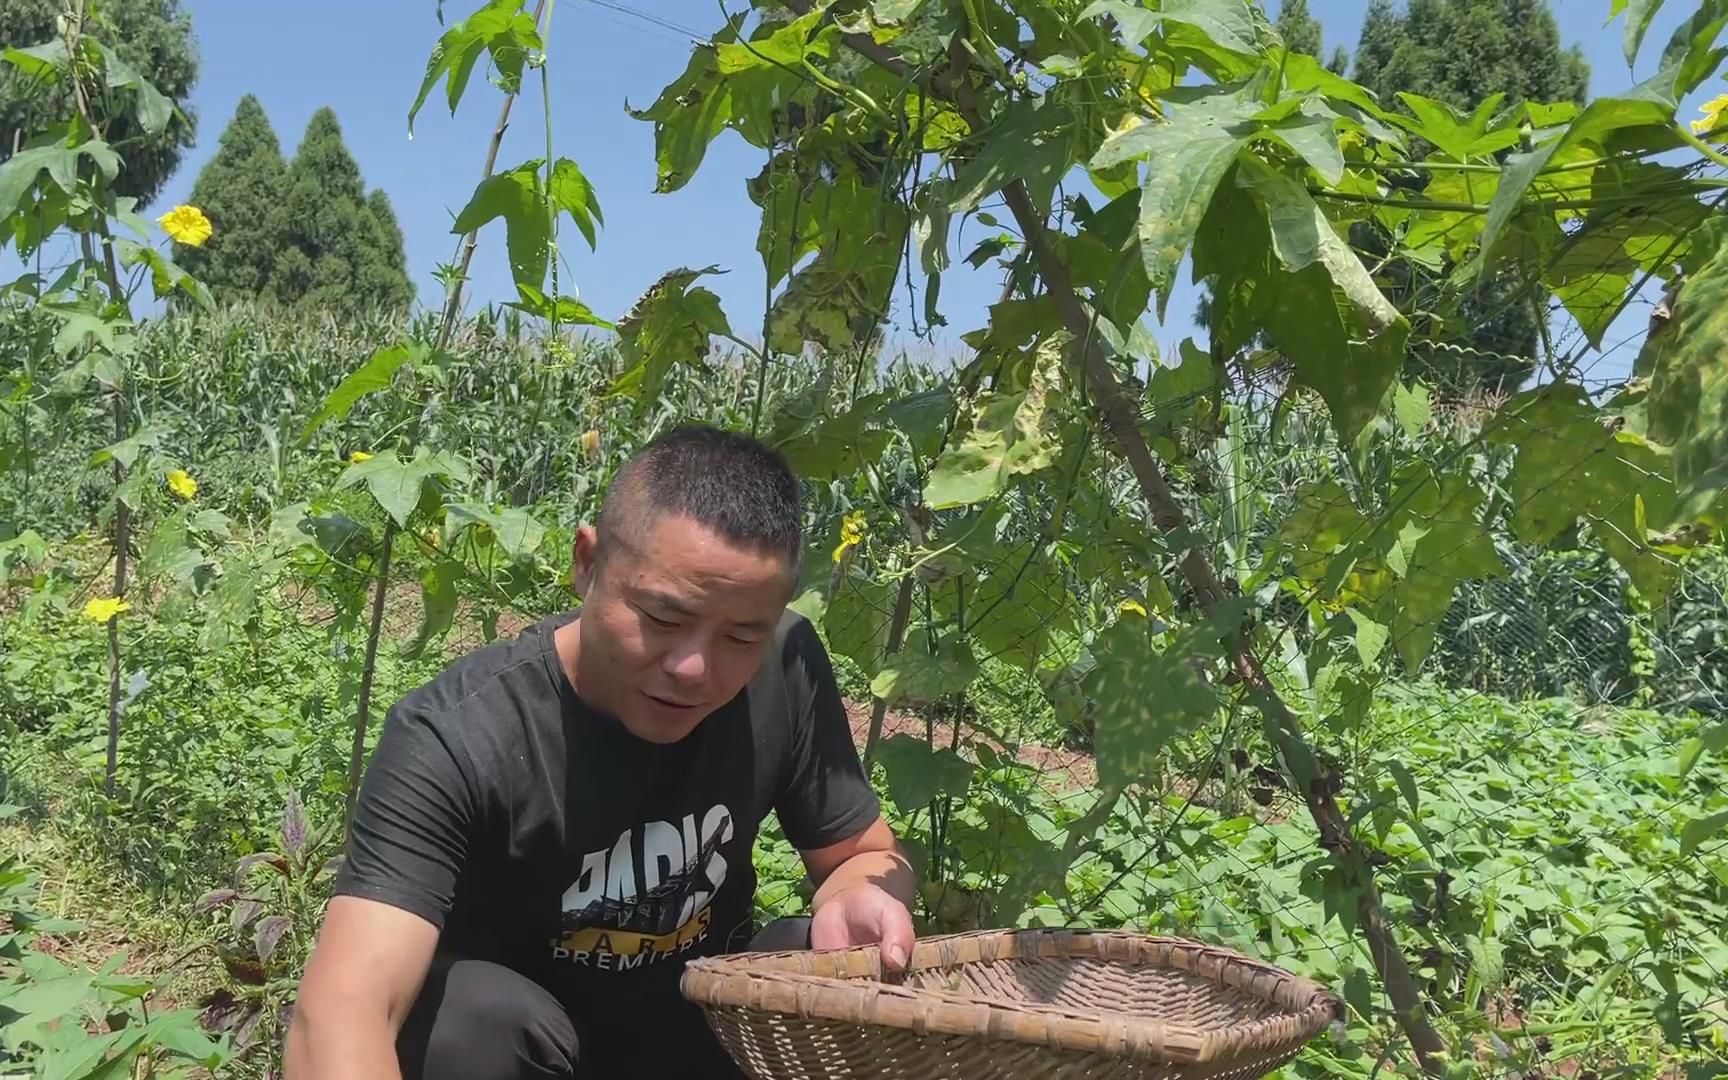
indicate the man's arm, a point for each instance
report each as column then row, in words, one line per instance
column 864, row 892
column 873, row 856
column 362, row 979
column 413, row 824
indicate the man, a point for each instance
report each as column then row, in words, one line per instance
column 553, row 826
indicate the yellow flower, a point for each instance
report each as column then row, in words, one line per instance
column 851, row 533
column 1132, row 605
column 358, row 456
column 104, row 608
column 1712, row 117
column 181, row 484
column 186, row 225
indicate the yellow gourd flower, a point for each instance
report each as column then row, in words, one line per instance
column 851, row 533
column 1712, row 114
column 186, row 225
column 104, row 608
column 181, row 484
column 1132, row 606
column 358, row 456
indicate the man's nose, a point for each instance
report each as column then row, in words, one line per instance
column 688, row 662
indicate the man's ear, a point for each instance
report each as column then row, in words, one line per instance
column 584, row 554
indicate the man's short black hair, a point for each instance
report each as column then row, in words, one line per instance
column 732, row 483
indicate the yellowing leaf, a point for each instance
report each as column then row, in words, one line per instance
column 1010, row 435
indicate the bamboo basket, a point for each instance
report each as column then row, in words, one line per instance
column 1019, row 1004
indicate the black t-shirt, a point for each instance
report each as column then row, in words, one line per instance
column 537, row 832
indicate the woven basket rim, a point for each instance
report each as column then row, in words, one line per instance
column 847, row 987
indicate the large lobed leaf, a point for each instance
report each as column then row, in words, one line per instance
column 500, row 28
column 1686, row 363
column 672, row 323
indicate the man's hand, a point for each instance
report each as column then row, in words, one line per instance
column 864, row 893
column 864, row 913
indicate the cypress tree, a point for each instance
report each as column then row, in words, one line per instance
column 1460, row 52
column 335, row 250
column 153, row 36
column 238, row 189
column 1298, row 27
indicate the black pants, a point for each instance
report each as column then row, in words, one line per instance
column 477, row 1020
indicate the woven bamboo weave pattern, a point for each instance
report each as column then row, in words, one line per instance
column 1011, row 1003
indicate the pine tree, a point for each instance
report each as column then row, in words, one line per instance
column 153, row 36
column 238, row 189
column 1460, row 52
column 336, row 249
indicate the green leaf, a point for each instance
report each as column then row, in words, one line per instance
column 1229, row 23
column 1688, row 405
column 842, row 297
column 1370, row 637
column 1456, row 135
column 922, row 417
column 399, row 485
column 126, row 450
column 1698, row 830
column 514, row 529
column 1009, row 435
column 566, row 310
column 47, row 62
column 856, row 622
column 1187, row 157
column 438, row 600
column 1412, row 406
column 1651, row 103
column 839, row 445
column 1143, row 697
column 1639, row 15
column 166, row 277
column 1031, row 141
column 517, row 197
column 1570, row 465
column 1015, row 608
column 149, row 105
column 1302, row 236
column 375, row 374
column 917, row 774
column 1713, row 741
column 916, row 676
column 1359, row 993
column 1315, row 137
column 671, row 323
column 40, row 1004
column 502, row 28
column 728, row 84
column 573, row 194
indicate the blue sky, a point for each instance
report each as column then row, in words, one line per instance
column 364, row 58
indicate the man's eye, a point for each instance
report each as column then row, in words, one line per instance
column 657, row 621
column 742, row 640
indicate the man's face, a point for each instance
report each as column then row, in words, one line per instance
column 673, row 627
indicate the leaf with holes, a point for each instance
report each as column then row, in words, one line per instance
column 671, row 324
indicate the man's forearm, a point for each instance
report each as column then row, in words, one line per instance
column 889, row 870
column 351, row 1048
